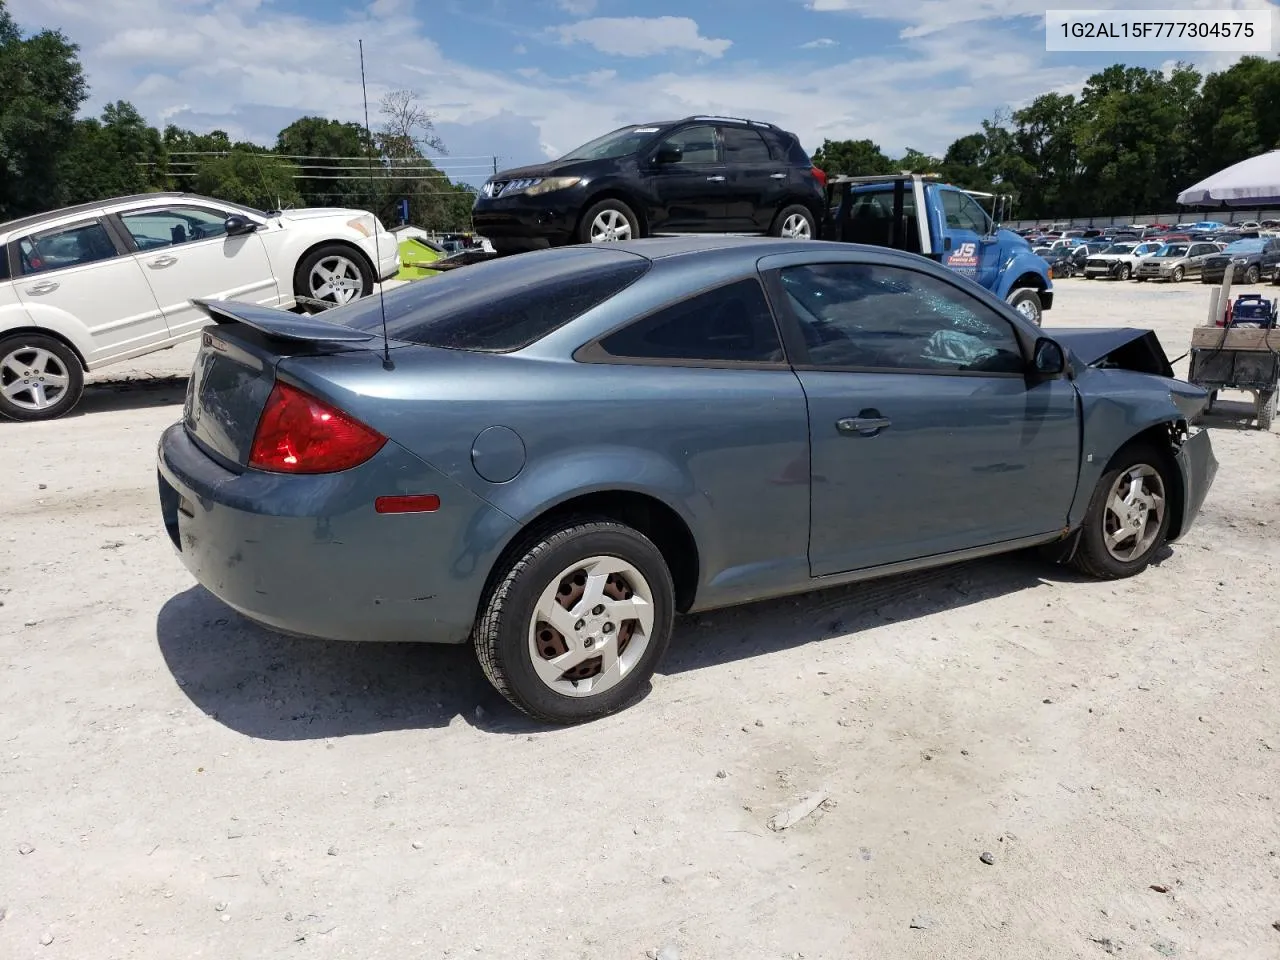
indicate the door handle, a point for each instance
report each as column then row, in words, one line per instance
column 862, row 426
column 777, row 176
column 165, row 261
column 44, row 286
column 716, row 179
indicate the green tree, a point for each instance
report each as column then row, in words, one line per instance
column 323, row 150
column 117, row 155
column 42, row 87
column 852, row 158
column 254, row 178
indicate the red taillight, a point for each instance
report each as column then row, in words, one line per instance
column 299, row 434
column 820, row 176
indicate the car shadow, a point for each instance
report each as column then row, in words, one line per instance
column 268, row 686
column 103, row 396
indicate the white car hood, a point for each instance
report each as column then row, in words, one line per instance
column 315, row 213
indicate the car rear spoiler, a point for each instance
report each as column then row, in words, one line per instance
column 280, row 324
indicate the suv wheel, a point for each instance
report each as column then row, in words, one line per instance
column 1252, row 275
column 794, row 223
column 40, row 378
column 608, row 221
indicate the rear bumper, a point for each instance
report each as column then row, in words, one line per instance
column 309, row 556
column 1198, row 467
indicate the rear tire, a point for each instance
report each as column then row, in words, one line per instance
column 794, row 223
column 554, row 601
column 40, row 377
column 1126, row 523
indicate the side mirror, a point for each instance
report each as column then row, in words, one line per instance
column 1048, row 358
column 668, row 154
column 238, row 226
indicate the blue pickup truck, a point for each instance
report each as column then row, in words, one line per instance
column 916, row 213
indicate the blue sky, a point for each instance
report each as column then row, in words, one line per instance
column 529, row 79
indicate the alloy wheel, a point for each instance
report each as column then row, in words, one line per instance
column 33, row 378
column 610, row 226
column 796, row 227
column 337, row 279
column 1134, row 512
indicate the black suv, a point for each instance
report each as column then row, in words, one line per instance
column 696, row 175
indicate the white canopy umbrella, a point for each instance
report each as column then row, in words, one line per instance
column 1250, row 183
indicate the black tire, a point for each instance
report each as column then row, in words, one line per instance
column 1027, row 302
column 502, row 631
column 360, row 273
column 603, row 207
column 1092, row 556
column 1125, row 272
column 1267, row 400
column 1252, row 275
column 22, row 348
column 790, row 213
column 1177, row 274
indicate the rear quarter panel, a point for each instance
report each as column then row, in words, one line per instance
column 726, row 449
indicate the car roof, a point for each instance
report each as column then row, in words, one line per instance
column 24, row 223
column 659, row 248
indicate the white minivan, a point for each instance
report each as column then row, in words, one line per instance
column 86, row 286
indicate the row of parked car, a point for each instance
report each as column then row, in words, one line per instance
column 1253, row 259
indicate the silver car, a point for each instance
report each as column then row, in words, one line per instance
column 1176, row 261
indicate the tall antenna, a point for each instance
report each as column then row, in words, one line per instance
column 382, row 304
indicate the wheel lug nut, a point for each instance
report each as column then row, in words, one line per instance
column 608, row 628
column 589, row 643
column 580, row 624
column 599, row 609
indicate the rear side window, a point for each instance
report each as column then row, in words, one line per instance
column 501, row 306
column 744, row 146
column 66, row 247
column 732, row 323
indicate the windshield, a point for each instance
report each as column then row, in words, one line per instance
column 1245, row 246
column 620, row 143
column 1119, row 248
column 1172, row 250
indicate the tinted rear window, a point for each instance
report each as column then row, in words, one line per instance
column 500, row 306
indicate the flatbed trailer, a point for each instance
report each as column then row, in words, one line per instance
column 1238, row 358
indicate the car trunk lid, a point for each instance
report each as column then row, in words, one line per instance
column 235, row 370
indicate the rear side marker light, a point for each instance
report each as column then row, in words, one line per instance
column 423, row 503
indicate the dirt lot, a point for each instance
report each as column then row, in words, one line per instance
column 176, row 783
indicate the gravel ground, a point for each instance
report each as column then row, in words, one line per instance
column 1018, row 763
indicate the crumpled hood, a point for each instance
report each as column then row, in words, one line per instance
column 1129, row 348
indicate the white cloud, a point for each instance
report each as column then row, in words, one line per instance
column 577, row 8
column 642, row 36
column 818, row 44
column 519, row 49
column 250, row 69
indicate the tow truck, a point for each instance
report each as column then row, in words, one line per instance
column 918, row 213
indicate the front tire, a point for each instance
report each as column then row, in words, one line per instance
column 1252, row 275
column 576, row 626
column 1027, row 303
column 608, row 221
column 40, row 377
column 1177, row 274
column 1125, row 273
column 334, row 275
column 794, row 223
column 1128, row 516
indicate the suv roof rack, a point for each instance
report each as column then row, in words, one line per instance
column 750, row 123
